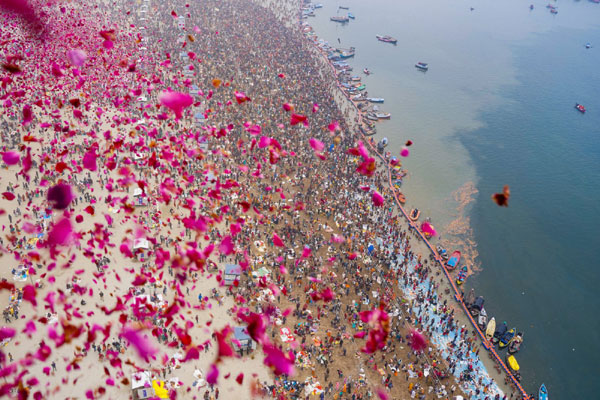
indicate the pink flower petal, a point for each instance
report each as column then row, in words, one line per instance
column 11, row 157
column 60, row 196
column 176, row 102
column 377, row 199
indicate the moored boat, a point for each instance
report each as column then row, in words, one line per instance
column 422, row 66
column 383, row 115
column 499, row 332
column 386, row 39
column 543, row 392
column 491, row 327
column 462, row 275
column 372, row 117
column 375, row 99
column 482, row 319
column 513, row 366
column 414, row 214
column 453, row 261
column 477, row 306
column 351, row 16
column 382, row 144
column 341, row 19
column 515, row 345
column 580, row 108
column 507, row 338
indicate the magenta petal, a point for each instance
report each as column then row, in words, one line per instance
column 61, row 233
column 139, row 341
column 317, row 145
column 377, row 199
column 176, row 102
column 60, row 196
column 213, row 375
column 11, row 157
column 76, row 57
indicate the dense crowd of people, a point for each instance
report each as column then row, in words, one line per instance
column 256, row 173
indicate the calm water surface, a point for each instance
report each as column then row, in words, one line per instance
column 495, row 108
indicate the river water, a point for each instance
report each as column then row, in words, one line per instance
column 497, row 107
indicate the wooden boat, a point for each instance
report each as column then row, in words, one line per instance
column 580, row 108
column 491, row 327
column 375, row 99
column 462, row 275
column 386, row 39
column 499, row 332
column 422, row 66
column 543, row 392
column 414, row 214
column 513, row 366
column 344, row 8
column 453, row 261
column 482, row 318
column 507, row 338
column 383, row 115
column 343, row 19
column 372, row 117
column 515, row 345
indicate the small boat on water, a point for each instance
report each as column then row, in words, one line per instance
column 580, row 108
column 515, row 345
column 531, row 7
column 346, row 53
column 588, row 45
column 386, row 39
column 344, row 8
column 382, row 144
column 462, row 275
column 491, row 327
column 366, row 71
column 318, row 5
column 482, row 319
column 414, row 215
column 351, row 16
column 422, row 66
column 383, row 115
column 375, row 99
column 507, row 338
column 543, row 392
column 513, row 366
column 477, row 307
column 341, row 19
column 453, row 261
column 499, row 332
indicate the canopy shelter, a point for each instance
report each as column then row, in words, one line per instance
column 232, row 273
column 141, row 385
column 240, row 333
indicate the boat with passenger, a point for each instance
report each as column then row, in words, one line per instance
column 580, row 108
column 513, row 367
column 462, row 275
column 341, row 19
column 453, row 261
column 422, row 66
column 499, row 332
column 507, row 338
column 386, row 39
column 543, row 392
column 414, row 215
column 515, row 345
column 382, row 144
column 366, row 71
